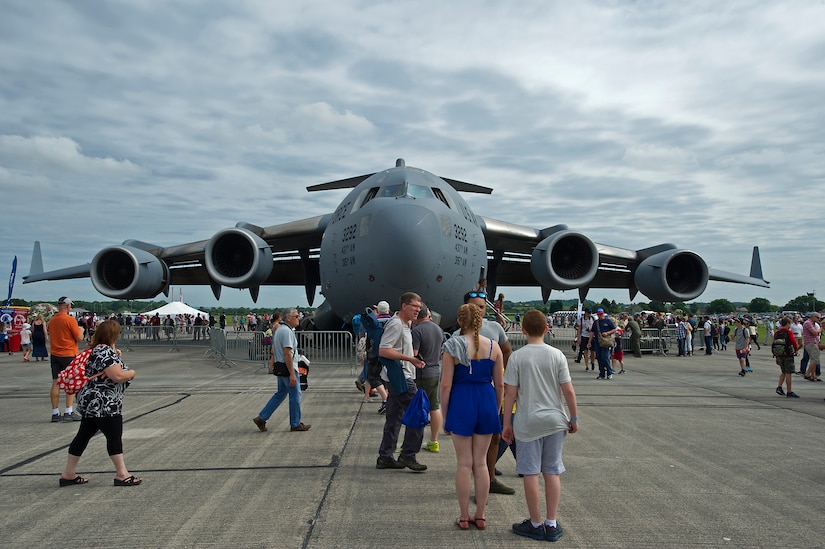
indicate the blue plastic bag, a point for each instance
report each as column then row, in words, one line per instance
column 417, row 414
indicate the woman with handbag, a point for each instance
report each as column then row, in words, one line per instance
column 471, row 392
column 601, row 340
column 100, row 403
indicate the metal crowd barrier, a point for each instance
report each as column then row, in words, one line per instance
column 320, row 347
column 652, row 341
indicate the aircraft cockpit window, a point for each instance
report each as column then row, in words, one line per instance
column 419, row 191
column 440, row 195
column 393, row 191
column 370, row 195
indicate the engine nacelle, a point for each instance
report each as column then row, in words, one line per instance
column 238, row 258
column 674, row 275
column 124, row 272
column 565, row 260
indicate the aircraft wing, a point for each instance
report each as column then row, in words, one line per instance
column 245, row 256
column 557, row 258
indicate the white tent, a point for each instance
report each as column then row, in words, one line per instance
column 176, row 308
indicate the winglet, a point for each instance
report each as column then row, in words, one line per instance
column 37, row 260
column 756, row 264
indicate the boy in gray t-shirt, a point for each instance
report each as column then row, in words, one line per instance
column 537, row 379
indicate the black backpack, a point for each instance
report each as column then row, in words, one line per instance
column 781, row 346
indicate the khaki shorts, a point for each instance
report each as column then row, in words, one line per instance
column 430, row 386
column 813, row 353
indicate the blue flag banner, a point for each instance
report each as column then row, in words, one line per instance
column 11, row 280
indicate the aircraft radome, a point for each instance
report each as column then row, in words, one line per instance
column 401, row 229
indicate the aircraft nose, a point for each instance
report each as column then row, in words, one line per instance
column 410, row 237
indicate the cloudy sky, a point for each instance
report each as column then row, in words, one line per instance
column 697, row 123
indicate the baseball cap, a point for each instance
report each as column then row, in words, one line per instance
column 64, row 301
column 599, row 310
column 383, row 307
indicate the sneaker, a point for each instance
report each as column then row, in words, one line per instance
column 600, row 377
column 792, row 395
column 411, row 464
column 387, row 463
column 621, row 371
column 527, row 530
column 432, row 446
column 742, row 373
column 610, row 376
column 553, row 533
column 748, row 369
column 260, row 423
column 300, row 427
column 780, row 392
column 55, row 418
column 71, row 417
column 383, row 408
column 497, row 487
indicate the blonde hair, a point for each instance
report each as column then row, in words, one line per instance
column 469, row 318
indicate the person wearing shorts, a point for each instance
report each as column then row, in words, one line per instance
column 786, row 363
column 742, row 339
column 538, row 379
column 64, row 335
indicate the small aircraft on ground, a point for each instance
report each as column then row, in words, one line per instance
column 398, row 230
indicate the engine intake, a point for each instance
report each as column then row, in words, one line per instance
column 238, row 258
column 565, row 260
column 676, row 275
column 124, row 272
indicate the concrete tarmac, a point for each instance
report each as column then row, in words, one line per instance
column 677, row 452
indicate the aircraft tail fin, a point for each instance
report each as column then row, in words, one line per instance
column 756, row 264
column 36, row 267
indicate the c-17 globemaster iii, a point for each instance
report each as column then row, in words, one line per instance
column 401, row 229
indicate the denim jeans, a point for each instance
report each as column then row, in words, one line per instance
column 603, row 357
column 396, row 406
column 283, row 391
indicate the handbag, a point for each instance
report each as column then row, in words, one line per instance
column 417, row 414
column 280, row 369
column 606, row 341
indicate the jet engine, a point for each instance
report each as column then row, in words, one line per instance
column 674, row 275
column 124, row 272
column 565, row 260
column 238, row 258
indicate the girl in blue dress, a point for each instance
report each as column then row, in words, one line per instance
column 471, row 391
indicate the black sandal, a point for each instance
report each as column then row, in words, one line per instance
column 73, row 481
column 131, row 481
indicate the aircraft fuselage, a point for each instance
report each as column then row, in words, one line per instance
column 401, row 230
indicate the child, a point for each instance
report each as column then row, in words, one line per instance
column 618, row 352
column 536, row 377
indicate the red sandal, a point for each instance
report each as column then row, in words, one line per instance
column 480, row 523
column 463, row 524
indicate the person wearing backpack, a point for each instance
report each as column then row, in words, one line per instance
column 784, row 347
column 100, row 403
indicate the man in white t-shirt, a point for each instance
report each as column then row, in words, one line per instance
column 396, row 345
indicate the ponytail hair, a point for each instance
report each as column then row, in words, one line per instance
column 469, row 318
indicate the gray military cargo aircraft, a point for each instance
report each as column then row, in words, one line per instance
column 401, row 229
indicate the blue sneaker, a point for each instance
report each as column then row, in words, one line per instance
column 527, row 529
column 553, row 533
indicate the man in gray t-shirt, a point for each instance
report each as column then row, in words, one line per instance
column 427, row 339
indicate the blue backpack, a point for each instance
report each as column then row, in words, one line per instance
column 374, row 328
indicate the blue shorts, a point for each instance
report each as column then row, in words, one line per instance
column 541, row 455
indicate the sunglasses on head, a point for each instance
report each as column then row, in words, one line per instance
column 482, row 295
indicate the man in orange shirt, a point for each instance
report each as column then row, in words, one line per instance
column 64, row 335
